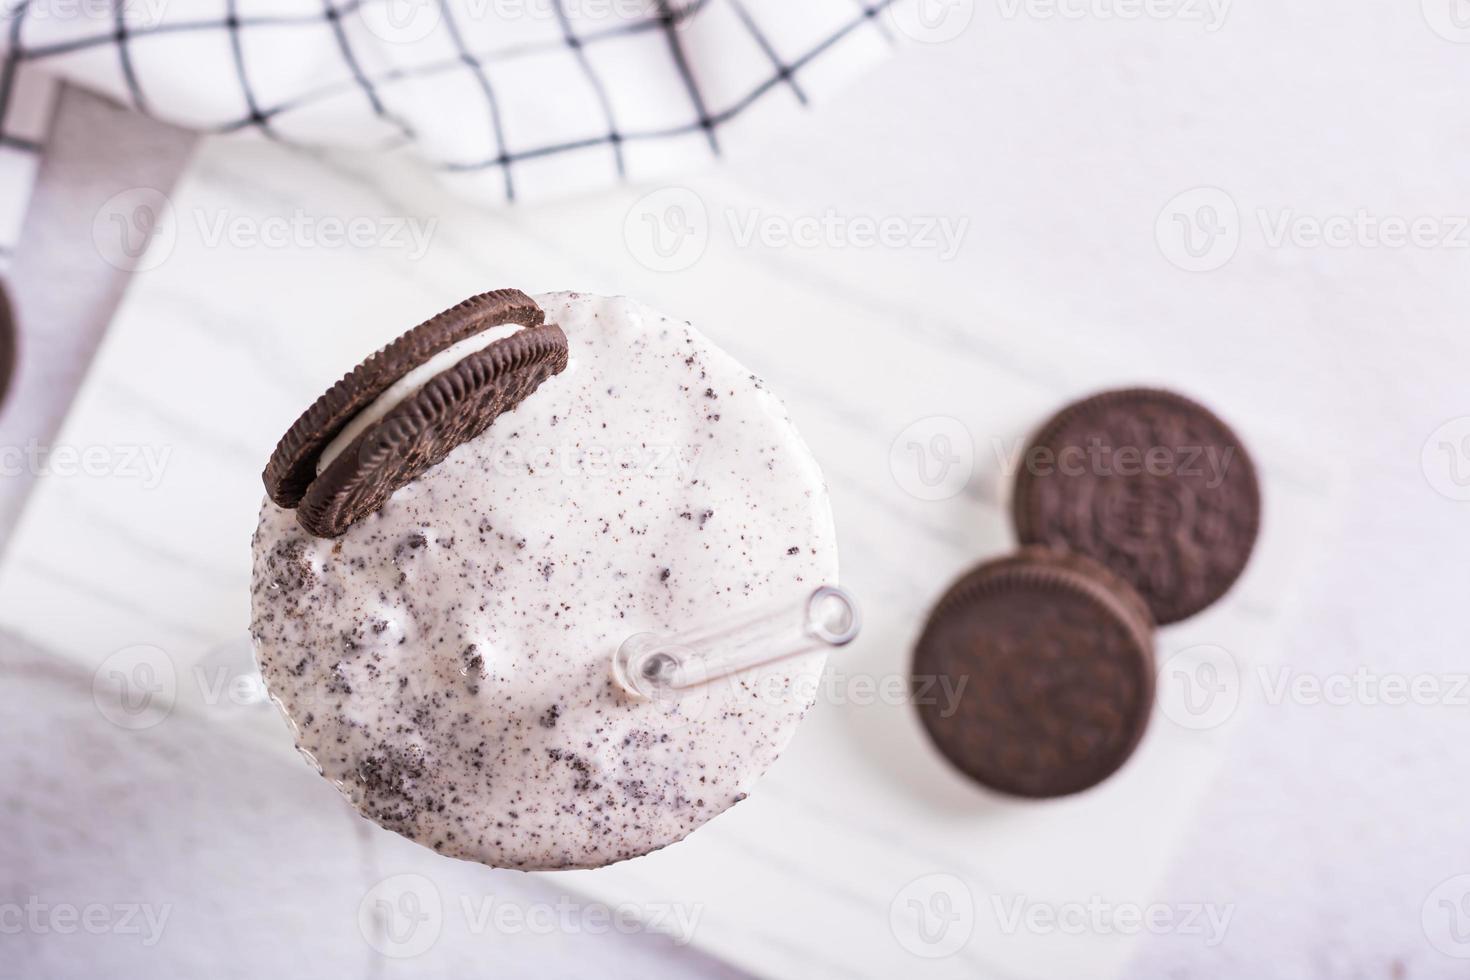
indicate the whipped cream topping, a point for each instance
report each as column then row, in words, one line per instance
column 410, row 384
column 447, row 661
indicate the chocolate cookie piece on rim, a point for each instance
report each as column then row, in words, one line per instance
column 1152, row 485
column 452, row 408
column 1034, row 675
column 293, row 465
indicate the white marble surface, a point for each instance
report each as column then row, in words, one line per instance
column 1063, row 139
column 210, row 858
column 202, row 369
column 63, row 291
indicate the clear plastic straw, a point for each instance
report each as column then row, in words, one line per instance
column 655, row 666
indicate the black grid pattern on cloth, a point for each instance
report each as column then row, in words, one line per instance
column 377, row 82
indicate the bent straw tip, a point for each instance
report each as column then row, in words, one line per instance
column 648, row 665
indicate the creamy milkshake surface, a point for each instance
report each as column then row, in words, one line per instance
column 446, row 661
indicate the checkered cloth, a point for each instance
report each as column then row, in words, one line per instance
column 508, row 99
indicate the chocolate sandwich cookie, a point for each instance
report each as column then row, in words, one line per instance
column 292, row 466
column 332, row 490
column 1150, row 484
column 1035, row 673
column 7, row 345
